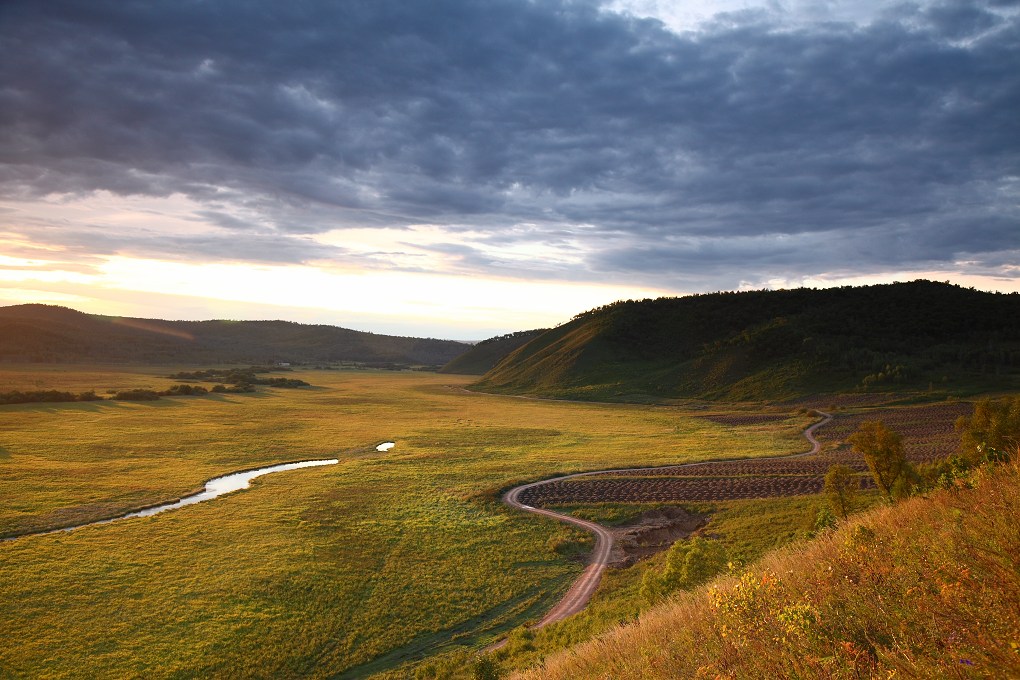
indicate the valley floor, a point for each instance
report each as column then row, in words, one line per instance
column 342, row 571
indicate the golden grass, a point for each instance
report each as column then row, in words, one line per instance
column 349, row 569
column 926, row 589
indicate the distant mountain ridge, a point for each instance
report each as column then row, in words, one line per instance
column 774, row 345
column 46, row 333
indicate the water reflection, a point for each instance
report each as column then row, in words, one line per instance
column 226, row 484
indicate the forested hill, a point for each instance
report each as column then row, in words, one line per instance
column 486, row 354
column 775, row 345
column 43, row 333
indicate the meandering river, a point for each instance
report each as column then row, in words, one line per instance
column 213, row 488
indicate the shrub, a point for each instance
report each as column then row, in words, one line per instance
column 842, row 487
column 992, row 431
column 688, row 564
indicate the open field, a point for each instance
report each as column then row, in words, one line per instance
column 345, row 570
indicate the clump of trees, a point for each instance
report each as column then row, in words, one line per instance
column 239, row 388
column 688, row 564
column 242, row 381
column 45, row 396
column 184, row 391
column 153, row 395
column 240, row 377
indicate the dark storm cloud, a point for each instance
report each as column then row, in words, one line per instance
column 740, row 145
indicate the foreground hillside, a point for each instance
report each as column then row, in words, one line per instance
column 926, row 589
column 44, row 333
column 775, row 345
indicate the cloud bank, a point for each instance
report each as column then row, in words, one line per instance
column 543, row 138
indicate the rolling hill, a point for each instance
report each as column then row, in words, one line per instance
column 484, row 356
column 44, row 333
column 774, row 345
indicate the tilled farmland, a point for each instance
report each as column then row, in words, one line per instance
column 928, row 434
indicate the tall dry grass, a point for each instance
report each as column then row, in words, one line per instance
column 929, row 588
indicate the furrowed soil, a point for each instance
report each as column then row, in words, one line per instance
column 345, row 570
column 927, row 431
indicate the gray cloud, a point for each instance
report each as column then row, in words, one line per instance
column 746, row 145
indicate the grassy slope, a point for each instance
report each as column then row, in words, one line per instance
column 774, row 345
column 482, row 357
column 747, row 528
column 312, row 572
column 929, row 588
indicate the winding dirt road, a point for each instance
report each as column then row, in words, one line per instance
column 582, row 589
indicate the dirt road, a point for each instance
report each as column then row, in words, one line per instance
column 583, row 588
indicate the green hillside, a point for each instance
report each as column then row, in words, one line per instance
column 44, row 333
column 775, row 345
column 484, row 356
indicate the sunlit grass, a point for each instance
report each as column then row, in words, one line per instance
column 383, row 558
column 925, row 589
column 748, row 529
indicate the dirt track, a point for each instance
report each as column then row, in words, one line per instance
column 583, row 588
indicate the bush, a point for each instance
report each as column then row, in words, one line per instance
column 842, row 487
column 486, row 669
column 825, row 519
column 992, row 432
column 944, row 474
column 688, row 564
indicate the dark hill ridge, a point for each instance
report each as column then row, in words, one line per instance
column 774, row 345
column 44, row 333
column 481, row 358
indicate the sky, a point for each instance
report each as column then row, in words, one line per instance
column 461, row 169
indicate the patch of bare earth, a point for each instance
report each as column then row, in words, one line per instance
column 652, row 532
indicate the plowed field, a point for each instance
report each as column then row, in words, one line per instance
column 927, row 432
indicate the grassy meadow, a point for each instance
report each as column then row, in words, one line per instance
column 339, row 571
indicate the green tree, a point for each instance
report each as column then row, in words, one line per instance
column 883, row 452
column 992, row 432
column 842, row 486
column 688, row 564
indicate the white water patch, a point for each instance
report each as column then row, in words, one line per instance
column 213, row 488
column 226, row 484
column 385, row 446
